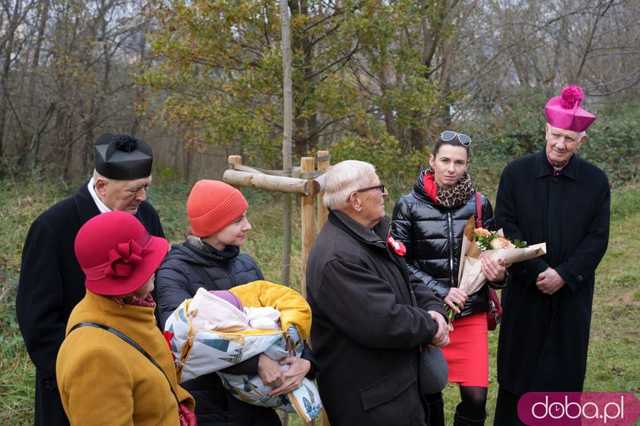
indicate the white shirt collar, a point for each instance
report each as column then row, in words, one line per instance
column 101, row 206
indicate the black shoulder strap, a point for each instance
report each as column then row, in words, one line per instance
column 130, row 341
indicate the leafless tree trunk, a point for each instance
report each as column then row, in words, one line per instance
column 30, row 152
column 7, row 48
column 601, row 11
column 139, row 97
column 287, row 161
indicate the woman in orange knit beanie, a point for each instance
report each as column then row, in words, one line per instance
column 211, row 258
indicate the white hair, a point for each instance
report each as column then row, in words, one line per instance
column 343, row 179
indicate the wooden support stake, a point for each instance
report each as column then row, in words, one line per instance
column 308, row 212
column 234, row 160
column 324, row 160
column 243, row 168
column 271, row 183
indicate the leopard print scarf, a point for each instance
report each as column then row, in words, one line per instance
column 457, row 195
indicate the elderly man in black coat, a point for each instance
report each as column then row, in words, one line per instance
column 556, row 197
column 369, row 320
column 51, row 281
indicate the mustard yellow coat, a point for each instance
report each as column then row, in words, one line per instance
column 293, row 308
column 104, row 381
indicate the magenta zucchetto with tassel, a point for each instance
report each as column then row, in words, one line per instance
column 565, row 112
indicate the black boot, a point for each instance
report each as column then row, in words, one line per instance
column 462, row 420
column 435, row 407
column 471, row 410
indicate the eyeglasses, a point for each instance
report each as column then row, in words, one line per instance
column 369, row 188
column 449, row 135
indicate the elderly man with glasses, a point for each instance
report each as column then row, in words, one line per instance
column 369, row 320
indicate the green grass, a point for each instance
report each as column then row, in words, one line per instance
column 615, row 335
column 20, row 203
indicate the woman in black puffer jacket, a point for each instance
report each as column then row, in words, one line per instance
column 210, row 258
column 430, row 222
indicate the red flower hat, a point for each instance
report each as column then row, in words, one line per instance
column 117, row 254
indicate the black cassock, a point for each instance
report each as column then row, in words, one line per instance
column 51, row 284
column 543, row 339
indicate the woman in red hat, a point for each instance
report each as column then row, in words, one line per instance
column 211, row 258
column 114, row 366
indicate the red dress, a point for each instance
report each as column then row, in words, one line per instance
column 467, row 353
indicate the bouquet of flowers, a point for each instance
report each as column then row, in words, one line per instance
column 478, row 240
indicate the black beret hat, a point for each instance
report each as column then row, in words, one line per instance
column 123, row 157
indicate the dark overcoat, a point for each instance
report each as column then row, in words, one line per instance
column 366, row 330
column 544, row 338
column 51, row 284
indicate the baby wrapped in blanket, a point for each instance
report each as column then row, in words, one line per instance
column 215, row 330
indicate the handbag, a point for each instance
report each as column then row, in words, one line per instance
column 186, row 416
column 433, row 372
column 494, row 314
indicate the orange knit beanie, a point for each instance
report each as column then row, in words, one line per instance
column 212, row 205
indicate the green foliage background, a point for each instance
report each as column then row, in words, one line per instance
column 615, row 338
column 216, row 77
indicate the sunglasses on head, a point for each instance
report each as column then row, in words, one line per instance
column 449, row 135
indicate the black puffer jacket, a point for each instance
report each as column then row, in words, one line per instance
column 187, row 267
column 192, row 265
column 433, row 237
